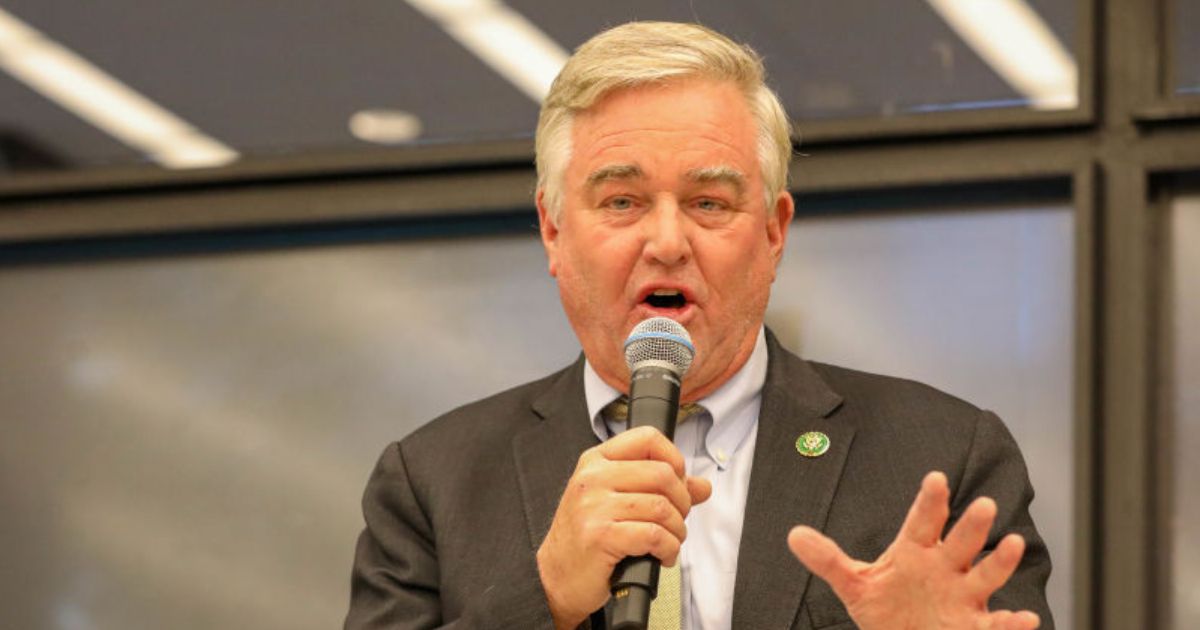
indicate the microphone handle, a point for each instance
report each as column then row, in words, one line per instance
column 653, row 401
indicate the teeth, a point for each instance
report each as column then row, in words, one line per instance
column 666, row 292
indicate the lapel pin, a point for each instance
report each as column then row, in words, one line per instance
column 812, row 444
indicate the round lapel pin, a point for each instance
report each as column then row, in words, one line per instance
column 812, row 444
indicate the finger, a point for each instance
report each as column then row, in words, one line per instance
column 649, row 508
column 1009, row 620
column 825, row 559
column 699, row 488
column 636, row 538
column 643, row 443
column 969, row 534
column 645, row 477
column 927, row 516
column 994, row 570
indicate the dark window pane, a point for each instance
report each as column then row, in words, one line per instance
column 1186, row 35
column 223, row 79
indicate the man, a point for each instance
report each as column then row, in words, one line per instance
column 662, row 165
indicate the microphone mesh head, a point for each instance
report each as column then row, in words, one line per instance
column 660, row 339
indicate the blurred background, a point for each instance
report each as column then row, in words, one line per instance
column 244, row 245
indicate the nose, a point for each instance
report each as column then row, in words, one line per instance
column 666, row 234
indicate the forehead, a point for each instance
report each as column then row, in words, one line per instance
column 684, row 125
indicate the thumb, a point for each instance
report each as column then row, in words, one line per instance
column 824, row 558
column 699, row 488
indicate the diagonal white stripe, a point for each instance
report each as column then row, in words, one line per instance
column 502, row 38
column 1012, row 38
column 102, row 100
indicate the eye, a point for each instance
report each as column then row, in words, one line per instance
column 619, row 203
column 710, row 205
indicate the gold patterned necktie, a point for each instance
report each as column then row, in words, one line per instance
column 667, row 607
column 618, row 411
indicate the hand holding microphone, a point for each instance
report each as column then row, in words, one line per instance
column 628, row 497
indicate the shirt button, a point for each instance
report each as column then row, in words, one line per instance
column 721, row 456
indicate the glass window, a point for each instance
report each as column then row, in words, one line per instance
column 977, row 303
column 176, row 429
column 189, row 84
column 922, row 57
column 196, row 419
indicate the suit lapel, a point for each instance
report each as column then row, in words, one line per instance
column 547, row 451
column 786, row 489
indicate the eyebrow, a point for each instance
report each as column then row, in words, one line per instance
column 720, row 175
column 614, row 172
column 703, row 175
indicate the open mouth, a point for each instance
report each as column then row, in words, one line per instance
column 666, row 298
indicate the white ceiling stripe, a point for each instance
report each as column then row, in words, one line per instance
column 502, row 38
column 1014, row 40
column 104, row 101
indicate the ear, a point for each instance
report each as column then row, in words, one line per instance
column 549, row 232
column 779, row 219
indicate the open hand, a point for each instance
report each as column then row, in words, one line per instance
column 627, row 497
column 923, row 582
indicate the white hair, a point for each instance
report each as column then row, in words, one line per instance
column 640, row 53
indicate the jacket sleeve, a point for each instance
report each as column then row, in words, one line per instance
column 395, row 583
column 994, row 468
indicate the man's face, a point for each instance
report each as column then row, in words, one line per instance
column 663, row 214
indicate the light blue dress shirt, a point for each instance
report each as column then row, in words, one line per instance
column 719, row 446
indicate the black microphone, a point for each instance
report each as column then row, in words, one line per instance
column 659, row 352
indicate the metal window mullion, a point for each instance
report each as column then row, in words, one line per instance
column 1086, row 195
column 1126, row 600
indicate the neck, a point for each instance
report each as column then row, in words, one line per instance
column 692, row 392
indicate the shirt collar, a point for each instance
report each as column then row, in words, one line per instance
column 734, row 406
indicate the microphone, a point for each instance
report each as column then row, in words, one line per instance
column 659, row 352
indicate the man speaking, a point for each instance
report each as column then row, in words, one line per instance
column 662, row 192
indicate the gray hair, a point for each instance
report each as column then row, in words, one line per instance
column 640, row 53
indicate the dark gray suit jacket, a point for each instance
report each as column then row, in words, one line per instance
column 456, row 511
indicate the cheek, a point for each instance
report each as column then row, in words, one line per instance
column 737, row 257
column 605, row 259
column 746, row 275
column 583, row 276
